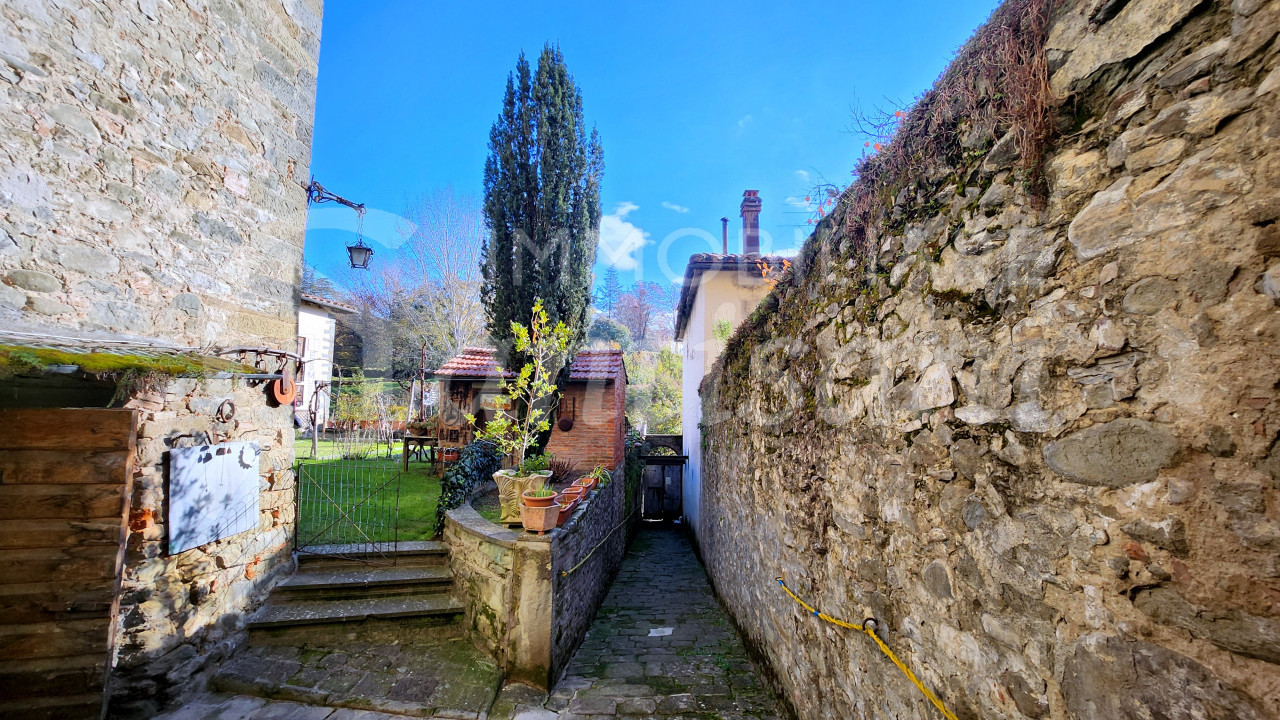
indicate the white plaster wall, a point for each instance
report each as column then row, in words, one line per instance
column 694, row 371
column 722, row 295
column 318, row 327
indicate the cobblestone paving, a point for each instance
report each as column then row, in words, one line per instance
column 660, row 646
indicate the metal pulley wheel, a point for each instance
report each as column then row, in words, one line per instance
column 284, row 390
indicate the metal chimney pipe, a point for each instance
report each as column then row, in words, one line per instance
column 724, row 234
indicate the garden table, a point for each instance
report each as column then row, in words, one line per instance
column 418, row 445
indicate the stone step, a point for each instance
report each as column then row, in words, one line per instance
column 321, row 612
column 334, row 582
column 417, row 552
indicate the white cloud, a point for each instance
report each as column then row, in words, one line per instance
column 675, row 207
column 621, row 241
column 797, row 202
column 786, row 252
column 386, row 228
column 803, row 175
column 746, row 120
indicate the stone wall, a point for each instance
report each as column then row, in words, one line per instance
column 482, row 558
column 1034, row 434
column 529, row 599
column 181, row 612
column 590, row 549
column 149, row 166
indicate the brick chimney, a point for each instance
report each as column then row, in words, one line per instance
column 751, row 222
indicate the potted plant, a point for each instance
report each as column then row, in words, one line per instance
column 539, row 498
column 522, row 410
column 422, row 428
column 566, row 512
column 596, row 478
column 540, row 512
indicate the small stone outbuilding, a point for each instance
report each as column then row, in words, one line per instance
column 469, row 385
column 588, row 426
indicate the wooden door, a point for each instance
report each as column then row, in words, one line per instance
column 65, row 481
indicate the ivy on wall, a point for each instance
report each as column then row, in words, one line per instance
column 476, row 463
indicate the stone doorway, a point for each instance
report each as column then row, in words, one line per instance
column 664, row 462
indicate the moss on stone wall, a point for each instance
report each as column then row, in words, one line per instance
column 18, row 360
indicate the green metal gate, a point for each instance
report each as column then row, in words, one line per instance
column 349, row 509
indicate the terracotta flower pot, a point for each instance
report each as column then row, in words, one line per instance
column 451, row 454
column 574, row 491
column 531, row 500
column 540, row 519
column 566, row 511
column 586, row 482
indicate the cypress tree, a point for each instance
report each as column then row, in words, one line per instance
column 541, row 204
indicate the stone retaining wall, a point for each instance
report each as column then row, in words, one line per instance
column 590, row 549
column 1038, row 439
column 519, row 604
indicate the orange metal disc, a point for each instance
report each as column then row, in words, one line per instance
column 284, row 390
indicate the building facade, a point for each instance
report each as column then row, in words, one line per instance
column 589, row 426
column 719, row 292
column 152, row 218
column 317, row 325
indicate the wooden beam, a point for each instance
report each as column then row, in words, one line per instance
column 93, row 562
column 53, row 533
column 60, row 600
column 73, row 429
column 62, row 467
column 70, row 502
column 64, row 638
column 60, row 677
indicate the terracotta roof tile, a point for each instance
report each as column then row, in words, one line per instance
column 326, row 302
column 474, row 362
column 598, row 365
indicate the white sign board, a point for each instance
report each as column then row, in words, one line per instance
column 213, row 493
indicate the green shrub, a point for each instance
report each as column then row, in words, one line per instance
column 633, row 469
column 531, row 465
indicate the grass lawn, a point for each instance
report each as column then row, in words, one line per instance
column 360, row 486
column 329, row 449
column 488, row 507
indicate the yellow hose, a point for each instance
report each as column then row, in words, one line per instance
column 871, row 633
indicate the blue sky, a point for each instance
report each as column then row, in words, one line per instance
column 695, row 102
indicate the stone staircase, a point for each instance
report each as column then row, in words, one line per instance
column 345, row 633
column 328, row 589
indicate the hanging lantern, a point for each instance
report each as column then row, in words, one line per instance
column 360, row 254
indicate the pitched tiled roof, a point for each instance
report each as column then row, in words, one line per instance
column 326, row 302
column 598, row 365
column 749, row 266
column 474, row 362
